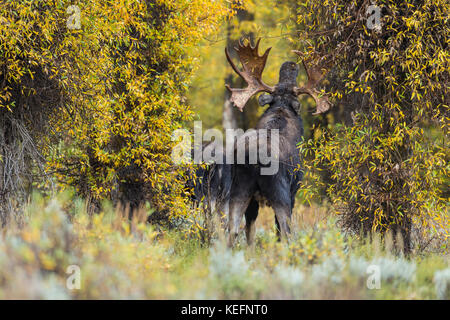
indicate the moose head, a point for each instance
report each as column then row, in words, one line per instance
column 253, row 67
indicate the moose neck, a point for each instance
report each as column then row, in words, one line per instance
column 283, row 116
column 286, row 101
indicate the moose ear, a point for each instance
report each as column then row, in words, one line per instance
column 265, row 99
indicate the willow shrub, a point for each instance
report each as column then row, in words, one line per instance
column 387, row 167
column 118, row 72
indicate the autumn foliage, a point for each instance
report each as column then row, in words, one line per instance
column 94, row 106
column 387, row 165
column 92, row 90
column 102, row 100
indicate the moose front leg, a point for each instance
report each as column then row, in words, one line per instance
column 283, row 215
column 277, row 190
column 237, row 209
column 250, row 218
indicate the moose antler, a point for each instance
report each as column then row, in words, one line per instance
column 314, row 76
column 253, row 67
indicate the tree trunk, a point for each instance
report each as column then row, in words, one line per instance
column 232, row 118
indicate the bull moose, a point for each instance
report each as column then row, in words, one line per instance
column 241, row 186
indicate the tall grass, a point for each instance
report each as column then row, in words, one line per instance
column 120, row 258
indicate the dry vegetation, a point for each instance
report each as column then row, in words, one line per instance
column 92, row 110
column 119, row 258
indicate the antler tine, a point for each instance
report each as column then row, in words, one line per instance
column 253, row 66
column 314, row 75
column 232, row 64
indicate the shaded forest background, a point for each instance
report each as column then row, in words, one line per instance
column 381, row 153
column 94, row 107
column 93, row 207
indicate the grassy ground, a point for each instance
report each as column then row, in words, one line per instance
column 115, row 259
